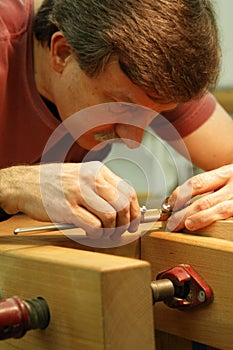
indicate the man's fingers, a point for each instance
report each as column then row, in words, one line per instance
column 113, row 201
column 200, row 184
column 90, row 223
column 176, row 221
column 205, row 218
column 114, row 219
column 204, row 211
column 103, row 211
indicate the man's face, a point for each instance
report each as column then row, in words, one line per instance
column 78, row 91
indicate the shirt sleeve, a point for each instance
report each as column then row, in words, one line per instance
column 13, row 17
column 13, row 22
column 184, row 119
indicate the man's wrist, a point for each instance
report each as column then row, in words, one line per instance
column 9, row 183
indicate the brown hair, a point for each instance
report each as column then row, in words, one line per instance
column 167, row 47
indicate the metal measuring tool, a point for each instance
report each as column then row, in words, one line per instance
column 147, row 215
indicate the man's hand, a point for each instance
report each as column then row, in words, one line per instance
column 87, row 195
column 216, row 202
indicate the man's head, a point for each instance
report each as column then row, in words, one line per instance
column 169, row 48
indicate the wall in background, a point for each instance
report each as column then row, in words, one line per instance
column 225, row 21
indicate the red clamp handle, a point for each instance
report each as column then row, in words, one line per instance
column 190, row 290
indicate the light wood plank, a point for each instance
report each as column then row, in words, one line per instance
column 212, row 258
column 222, row 229
column 56, row 238
column 225, row 98
column 97, row 301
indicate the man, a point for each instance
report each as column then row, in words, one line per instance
column 59, row 57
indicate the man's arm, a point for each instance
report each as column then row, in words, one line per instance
column 211, row 145
column 87, row 195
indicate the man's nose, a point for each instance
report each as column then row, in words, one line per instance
column 131, row 135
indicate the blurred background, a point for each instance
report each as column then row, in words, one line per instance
column 224, row 9
column 156, row 169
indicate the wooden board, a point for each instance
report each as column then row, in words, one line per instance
column 222, row 229
column 97, row 301
column 225, row 98
column 212, row 258
column 170, row 249
column 57, row 238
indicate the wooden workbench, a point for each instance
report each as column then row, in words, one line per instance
column 101, row 298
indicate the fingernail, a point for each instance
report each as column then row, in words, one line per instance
column 171, row 225
column 189, row 225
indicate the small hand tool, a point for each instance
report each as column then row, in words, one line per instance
column 147, row 215
column 181, row 287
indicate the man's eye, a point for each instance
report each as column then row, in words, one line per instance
column 123, row 107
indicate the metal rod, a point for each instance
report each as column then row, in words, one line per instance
column 50, row 227
column 162, row 290
column 147, row 215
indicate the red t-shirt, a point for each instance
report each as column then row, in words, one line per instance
column 185, row 119
column 25, row 121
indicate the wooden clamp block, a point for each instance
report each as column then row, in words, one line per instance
column 97, row 301
column 212, row 258
column 117, row 315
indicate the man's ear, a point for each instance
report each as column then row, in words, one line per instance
column 60, row 51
